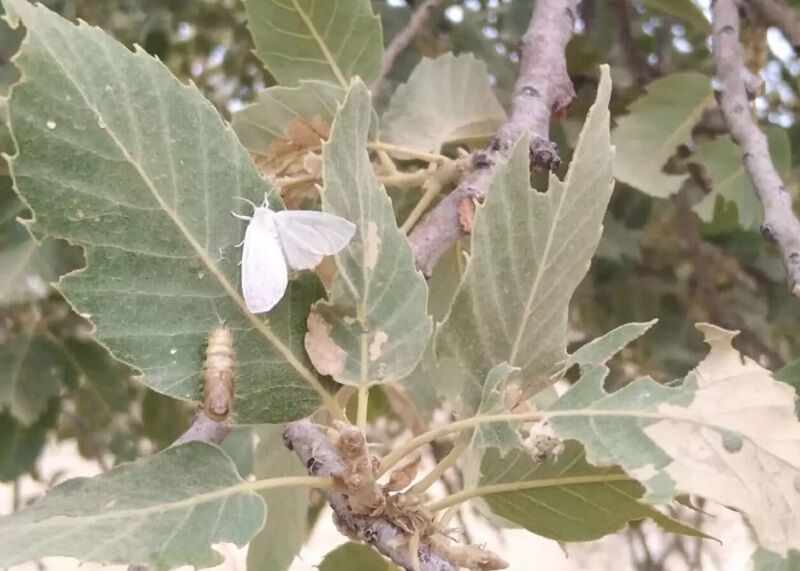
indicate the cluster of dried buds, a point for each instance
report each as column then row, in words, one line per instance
column 359, row 482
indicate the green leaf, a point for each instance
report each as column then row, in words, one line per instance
column 764, row 560
column 28, row 267
column 275, row 547
column 685, row 10
column 657, row 123
column 566, row 498
column 500, row 435
column 20, row 445
column 375, row 326
column 600, row 350
column 265, row 121
column 730, row 184
column 165, row 511
column 355, row 556
column 446, row 100
column 143, row 172
column 728, row 433
column 34, row 370
column 530, row 250
column 333, row 40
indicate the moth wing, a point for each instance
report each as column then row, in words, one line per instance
column 307, row 235
column 264, row 273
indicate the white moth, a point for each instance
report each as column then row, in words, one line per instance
column 276, row 242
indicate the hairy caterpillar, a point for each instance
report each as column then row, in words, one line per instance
column 219, row 371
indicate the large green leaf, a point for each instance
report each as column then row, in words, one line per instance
column 274, row 548
column 355, row 556
column 446, row 100
column 685, row 10
column 375, row 326
column 730, row 184
column 656, row 124
column 116, row 155
column 565, row 498
column 764, row 560
column 530, row 251
column 331, row 40
column 275, row 108
column 165, row 510
column 728, row 433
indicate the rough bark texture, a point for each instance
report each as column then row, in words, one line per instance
column 780, row 224
column 321, row 458
column 543, row 89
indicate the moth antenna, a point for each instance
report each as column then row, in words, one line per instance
column 247, row 200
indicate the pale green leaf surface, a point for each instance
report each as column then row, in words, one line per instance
column 656, row 124
column 572, row 500
column 331, row 40
column 446, row 100
column 600, row 350
column 728, row 433
column 685, row 10
column 351, row 556
column 721, row 159
column 500, row 435
column 165, row 510
column 265, row 120
column 116, row 155
column 530, row 250
column 274, row 548
column 375, row 326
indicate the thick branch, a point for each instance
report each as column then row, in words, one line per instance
column 780, row 224
column 775, row 13
column 321, row 458
column 402, row 40
column 543, row 88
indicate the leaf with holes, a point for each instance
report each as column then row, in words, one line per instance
column 331, row 40
column 116, row 155
column 565, row 498
column 375, row 326
column 165, row 511
column 656, row 125
column 530, row 251
column 446, row 100
column 727, row 433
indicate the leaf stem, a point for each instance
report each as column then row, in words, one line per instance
column 479, row 491
column 319, row 482
column 452, row 457
column 432, row 189
column 406, row 151
column 363, row 401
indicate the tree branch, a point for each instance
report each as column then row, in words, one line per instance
column 775, row 13
column 543, row 88
column 402, row 40
column 780, row 224
column 321, row 458
column 641, row 70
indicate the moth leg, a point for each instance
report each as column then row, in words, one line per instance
column 240, row 216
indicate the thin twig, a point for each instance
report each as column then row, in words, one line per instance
column 419, row 19
column 780, row 224
column 321, row 458
column 776, row 14
column 543, row 89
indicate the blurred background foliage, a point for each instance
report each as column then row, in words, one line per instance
column 657, row 258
